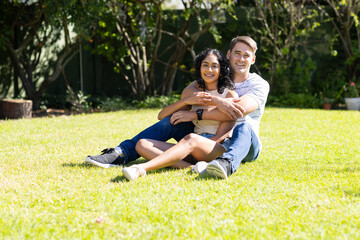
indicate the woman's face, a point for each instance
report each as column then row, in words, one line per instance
column 210, row 71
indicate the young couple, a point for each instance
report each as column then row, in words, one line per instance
column 214, row 108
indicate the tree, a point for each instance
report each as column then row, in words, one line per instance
column 344, row 17
column 282, row 26
column 131, row 33
column 204, row 15
column 31, row 32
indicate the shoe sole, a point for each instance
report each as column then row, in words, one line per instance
column 215, row 169
column 195, row 169
column 103, row 165
column 127, row 175
column 200, row 173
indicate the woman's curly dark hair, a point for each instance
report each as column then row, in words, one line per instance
column 224, row 80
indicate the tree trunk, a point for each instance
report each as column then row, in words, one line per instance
column 15, row 108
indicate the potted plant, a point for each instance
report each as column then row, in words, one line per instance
column 327, row 103
column 352, row 98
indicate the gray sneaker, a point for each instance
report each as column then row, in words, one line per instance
column 108, row 158
column 219, row 168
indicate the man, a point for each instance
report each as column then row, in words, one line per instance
column 248, row 109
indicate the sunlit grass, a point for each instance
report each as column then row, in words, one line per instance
column 305, row 184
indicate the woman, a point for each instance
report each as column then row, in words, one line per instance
column 213, row 76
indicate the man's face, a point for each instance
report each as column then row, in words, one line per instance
column 241, row 58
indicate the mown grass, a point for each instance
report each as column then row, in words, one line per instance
column 305, row 184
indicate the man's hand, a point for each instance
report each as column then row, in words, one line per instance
column 231, row 108
column 182, row 116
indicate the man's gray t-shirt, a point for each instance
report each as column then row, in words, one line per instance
column 257, row 88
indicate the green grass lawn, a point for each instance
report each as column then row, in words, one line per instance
column 304, row 185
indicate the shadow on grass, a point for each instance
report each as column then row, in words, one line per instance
column 137, row 161
column 122, row 178
column 83, row 165
column 348, row 170
column 205, row 177
column 337, row 169
column 202, row 177
column 88, row 165
column 119, row 179
column 352, row 193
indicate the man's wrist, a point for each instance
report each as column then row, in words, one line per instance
column 218, row 101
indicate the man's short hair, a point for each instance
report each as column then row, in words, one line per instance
column 244, row 39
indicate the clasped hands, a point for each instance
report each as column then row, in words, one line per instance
column 228, row 106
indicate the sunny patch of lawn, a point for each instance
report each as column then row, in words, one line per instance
column 305, row 184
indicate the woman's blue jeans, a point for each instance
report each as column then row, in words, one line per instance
column 161, row 131
column 244, row 146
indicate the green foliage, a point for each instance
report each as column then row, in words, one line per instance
column 127, row 36
column 295, row 48
column 42, row 36
column 351, row 90
column 156, row 102
column 330, row 84
column 299, row 49
column 295, row 100
column 296, row 78
column 86, row 103
column 6, row 81
column 354, row 60
column 343, row 16
column 53, row 101
column 118, row 103
column 304, row 185
column 113, row 104
column 301, row 75
column 79, row 101
column 282, row 28
column 146, row 45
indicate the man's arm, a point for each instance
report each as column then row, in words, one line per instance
column 246, row 102
column 227, row 106
column 225, row 127
column 191, row 95
column 227, row 109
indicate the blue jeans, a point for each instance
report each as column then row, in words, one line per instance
column 161, row 131
column 244, row 146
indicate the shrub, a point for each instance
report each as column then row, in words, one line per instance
column 157, row 102
column 293, row 100
column 53, row 101
column 112, row 104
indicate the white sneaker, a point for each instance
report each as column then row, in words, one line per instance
column 134, row 172
column 200, row 167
